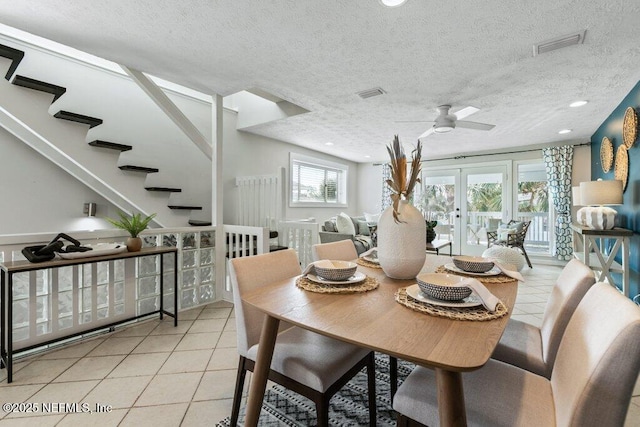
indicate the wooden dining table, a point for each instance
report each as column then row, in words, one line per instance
column 374, row 320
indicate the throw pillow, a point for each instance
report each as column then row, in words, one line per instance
column 503, row 233
column 363, row 228
column 345, row 225
column 330, row 226
column 374, row 218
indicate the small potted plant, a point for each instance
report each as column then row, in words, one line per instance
column 134, row 226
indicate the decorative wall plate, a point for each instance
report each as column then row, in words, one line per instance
column 630, row 127
column 622, row 166
column 606, row 154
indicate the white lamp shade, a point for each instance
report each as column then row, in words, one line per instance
column 575, row 196
column 601, row 193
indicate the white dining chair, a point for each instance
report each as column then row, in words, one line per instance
column 591, row 382
column 307, row 363
column 343, row 250
column 533, row 348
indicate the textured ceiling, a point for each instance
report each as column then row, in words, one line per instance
column 319, row 53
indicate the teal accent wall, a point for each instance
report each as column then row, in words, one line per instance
column 629, row 212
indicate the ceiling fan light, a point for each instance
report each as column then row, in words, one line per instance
column 442, row 129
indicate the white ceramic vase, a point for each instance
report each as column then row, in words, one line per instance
column 401, row 246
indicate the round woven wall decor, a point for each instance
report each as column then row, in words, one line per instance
column 606, row 154
column 630, row 127
column 622, row 166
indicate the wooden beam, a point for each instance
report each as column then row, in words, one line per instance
column 170, row 109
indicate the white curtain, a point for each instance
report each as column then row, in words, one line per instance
column 559, row 163
column 386, row 191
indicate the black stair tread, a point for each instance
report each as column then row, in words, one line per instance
column 273, row 234
column 199, row 223
column 14, row 55
column 165, row 189
column 78, row 118
column 138, row 168
column 193, row 208
column 110, row 145
column 276, row 248
column 55, row 90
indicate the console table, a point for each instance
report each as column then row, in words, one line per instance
column 8, row 269
column 597, row 259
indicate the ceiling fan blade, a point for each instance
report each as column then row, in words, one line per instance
column 466, row 112
column 413, row 121
column 474, row 125
column 427, row 133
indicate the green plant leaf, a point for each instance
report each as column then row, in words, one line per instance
column 134, row 225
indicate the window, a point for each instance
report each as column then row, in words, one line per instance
column 317, row 182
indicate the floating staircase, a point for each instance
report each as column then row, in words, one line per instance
column 16, row 56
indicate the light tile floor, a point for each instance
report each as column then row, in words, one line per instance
column 153, row 374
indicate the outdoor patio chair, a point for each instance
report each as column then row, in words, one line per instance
column 513, row 239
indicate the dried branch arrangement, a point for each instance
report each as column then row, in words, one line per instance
column 402, row 183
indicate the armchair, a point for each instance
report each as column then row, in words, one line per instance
column 514, row 239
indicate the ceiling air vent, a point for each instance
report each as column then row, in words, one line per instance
column 369, row 93
column 559, row 43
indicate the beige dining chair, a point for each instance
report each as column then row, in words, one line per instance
column 307, row 363
column 533, row 348
column 591, row 384
column 343, row 250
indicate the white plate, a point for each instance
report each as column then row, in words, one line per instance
column 356, row 278
column 97, row 250
column 414, row 292
column 493, row 272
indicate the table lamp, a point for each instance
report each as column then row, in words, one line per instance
column 594, row 195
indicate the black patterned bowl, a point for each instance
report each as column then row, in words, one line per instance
column 472, row 264
column 443, row 286
column 336, row 271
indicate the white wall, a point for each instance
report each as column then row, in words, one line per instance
column 37, row 196
column 247, row 154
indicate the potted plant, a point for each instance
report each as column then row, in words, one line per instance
column 402, row 228
column 134, row 226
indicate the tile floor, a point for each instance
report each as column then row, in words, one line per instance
column 153, row 374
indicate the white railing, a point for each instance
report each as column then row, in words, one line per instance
column 300, row 236
column 242, row 241
column 538, row 232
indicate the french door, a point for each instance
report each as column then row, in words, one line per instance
column 466, row 203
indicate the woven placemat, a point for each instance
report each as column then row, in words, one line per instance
column 478, row 313
column 368, row 284
column 500, row 278
column 363, row 262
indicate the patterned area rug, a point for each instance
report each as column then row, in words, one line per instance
column 282, row 407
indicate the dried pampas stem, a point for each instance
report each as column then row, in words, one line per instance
column 400, row 184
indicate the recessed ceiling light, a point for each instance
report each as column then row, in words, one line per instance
column 563, row 131
column 328, row 143
column 578, row 103
column 392, row 3
column 367, row 156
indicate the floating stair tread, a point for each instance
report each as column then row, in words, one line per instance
column 138, row 168
column 198, row 223
column 78, row 118
column 165, row 189
column 192, row 208
column 14, row 55
column 110, row 145
column 56, row 91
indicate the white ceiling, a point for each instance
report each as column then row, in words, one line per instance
column 319, row 53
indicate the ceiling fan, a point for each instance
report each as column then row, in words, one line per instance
column 446, row 122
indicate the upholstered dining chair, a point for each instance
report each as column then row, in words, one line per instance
column 533, row 348
column 343, row 250
column 307, row 363
column 512, row 240
column 591, row 384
